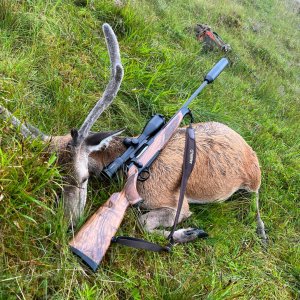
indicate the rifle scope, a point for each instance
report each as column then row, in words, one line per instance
column 135, row 144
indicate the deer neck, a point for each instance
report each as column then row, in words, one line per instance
column 99, row 160
column 115, row 149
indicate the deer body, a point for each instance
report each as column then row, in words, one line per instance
column 224, row 164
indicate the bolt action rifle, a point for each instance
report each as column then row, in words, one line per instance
column 93, row 239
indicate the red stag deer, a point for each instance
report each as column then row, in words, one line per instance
column 225, row 162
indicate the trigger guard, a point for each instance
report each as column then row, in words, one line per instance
column 144, row 178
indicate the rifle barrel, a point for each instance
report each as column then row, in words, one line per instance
column 195, row 94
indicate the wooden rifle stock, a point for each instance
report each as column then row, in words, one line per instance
column 94, row 237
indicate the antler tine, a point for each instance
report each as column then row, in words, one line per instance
column 112, row 87
column 37, row 133
column 31, row 132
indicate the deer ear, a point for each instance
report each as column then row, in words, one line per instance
column 74, row 134
column 100, row 141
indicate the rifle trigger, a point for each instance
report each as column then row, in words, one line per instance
column 144, row 175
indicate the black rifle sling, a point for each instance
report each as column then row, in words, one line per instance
column 139, row 244
column 188, row 164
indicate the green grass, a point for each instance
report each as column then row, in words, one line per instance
column 54, row 65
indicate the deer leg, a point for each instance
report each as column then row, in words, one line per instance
column 260, row 224
column 164, row 217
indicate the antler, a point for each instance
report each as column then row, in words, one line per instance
column 112, row 87
column 28, row 131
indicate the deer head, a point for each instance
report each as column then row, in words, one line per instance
column 74, row 149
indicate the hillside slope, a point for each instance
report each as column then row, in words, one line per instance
column 54, row 65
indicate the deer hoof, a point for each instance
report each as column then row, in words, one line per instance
column 188, row 235
column 199, row 232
